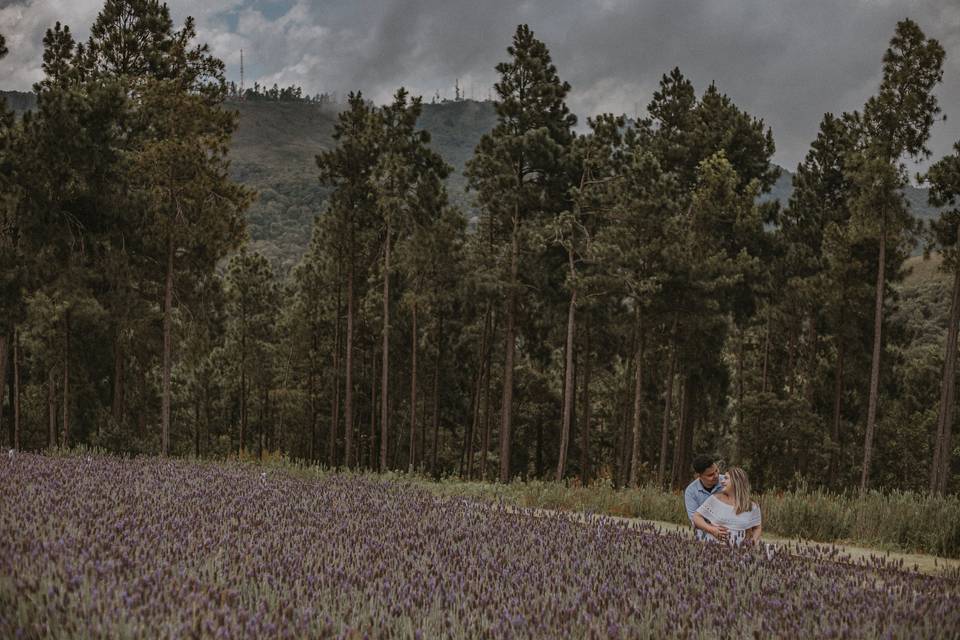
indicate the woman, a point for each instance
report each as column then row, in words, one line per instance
column 729, row 515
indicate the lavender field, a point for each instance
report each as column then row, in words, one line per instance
column 94, row 546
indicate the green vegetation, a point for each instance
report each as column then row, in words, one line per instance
column 602, row 303
column 273, row 151
column 273, row 148
column 896, row 520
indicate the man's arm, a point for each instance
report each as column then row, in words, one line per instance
column 718, row 532
column 690, row 502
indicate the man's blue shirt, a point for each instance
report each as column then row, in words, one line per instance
column 696, row 494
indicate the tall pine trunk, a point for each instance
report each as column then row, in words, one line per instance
column 16, row 389
column 740, row 367
column 422, row 432
column 206, row 409
column 385, row 355
column 487, row 415
column 766, row 353
column 348, row 373
column 4, row 358
column 940, row 470
column 65, row 441
column 678, row 450
column 413, row 387
column 196, row 428
column 335, row 396
column 637, row 403
column 568, row 378
column 622, row 449
column 167, row 352
column 312, row 416
column 585, row 427
column 117, row 406
column 372, row 459
column 261, row 419
column 667, row 407
column 243, row 376
column 482, row 373
column 436, row 397
column 506, row 409
column 52, row 407
column 837, row 405
column 875, row 365
column 812, row 359
column 538, row 459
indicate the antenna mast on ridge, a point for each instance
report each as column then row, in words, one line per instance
column 241, row 74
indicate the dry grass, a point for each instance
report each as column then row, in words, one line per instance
column 922, row 270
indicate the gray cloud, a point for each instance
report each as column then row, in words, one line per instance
column 786, row 62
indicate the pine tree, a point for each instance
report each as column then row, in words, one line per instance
column 519, row 172
column 9, row 271
column 896, row 122
column 252, row 305
column 350, row 219
column 817, row 255
column 598, row 156
column 195, row 209
column 944, row 180
column 407, row 182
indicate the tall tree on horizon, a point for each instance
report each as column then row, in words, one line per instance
column 407, row 181
column 944, row 180
column 350, row 219
column 598, row 156
column 252, row 301
column 520, row 173
column 9, row 264
column 815, row 228
column 895, row 122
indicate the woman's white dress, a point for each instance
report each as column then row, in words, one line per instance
column 717, row 512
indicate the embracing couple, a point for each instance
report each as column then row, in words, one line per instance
column 719, row 505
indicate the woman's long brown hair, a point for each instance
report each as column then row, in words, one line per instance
column 741, row 489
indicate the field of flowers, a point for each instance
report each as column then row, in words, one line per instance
column 94, row 546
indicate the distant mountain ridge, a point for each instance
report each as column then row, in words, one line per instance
column 274, row 149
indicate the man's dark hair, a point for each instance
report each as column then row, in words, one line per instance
column 702, row 462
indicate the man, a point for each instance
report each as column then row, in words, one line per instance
column 708, row 482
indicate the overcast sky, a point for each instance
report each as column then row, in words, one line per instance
column 786, row 61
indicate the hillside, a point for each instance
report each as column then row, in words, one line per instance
column 274, row 151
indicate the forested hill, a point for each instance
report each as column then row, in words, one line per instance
column 275, row 144
column 274, row 148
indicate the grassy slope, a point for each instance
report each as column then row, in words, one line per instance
column 922, row 270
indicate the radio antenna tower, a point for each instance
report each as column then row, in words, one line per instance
column 241, row 74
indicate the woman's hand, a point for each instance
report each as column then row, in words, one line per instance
column 719, row 532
